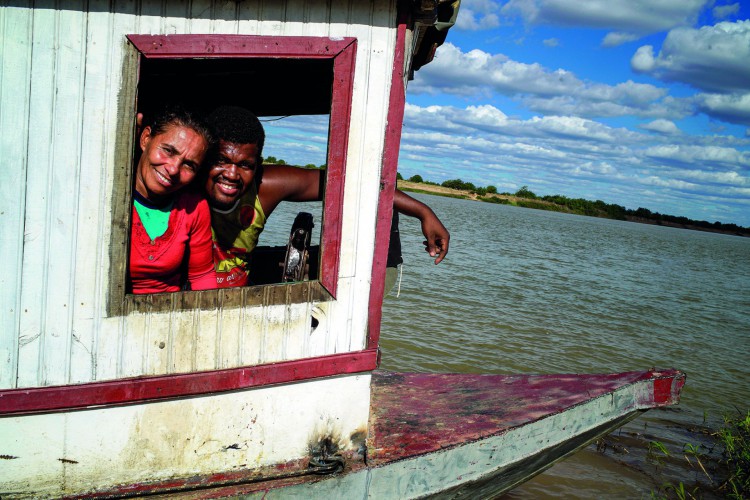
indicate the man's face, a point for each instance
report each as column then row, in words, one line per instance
column 231, row 173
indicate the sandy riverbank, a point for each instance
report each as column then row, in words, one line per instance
column 540, row 204
column 460, row 193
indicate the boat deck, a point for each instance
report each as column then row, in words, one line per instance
column 416, row 413
column 453, row 435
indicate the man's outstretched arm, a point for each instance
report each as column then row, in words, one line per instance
column 437, row 236
column 288, row 183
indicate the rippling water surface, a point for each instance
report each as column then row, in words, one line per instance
column 529, row 291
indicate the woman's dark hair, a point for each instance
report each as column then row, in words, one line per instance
column 182, row 116
column 235, row 124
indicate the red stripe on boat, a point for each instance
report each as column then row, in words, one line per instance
column 388, row 182
column 664, row 393
column 142, row 389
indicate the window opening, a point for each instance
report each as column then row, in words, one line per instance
column 297, row 80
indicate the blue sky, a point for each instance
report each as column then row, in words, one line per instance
column 644, row 103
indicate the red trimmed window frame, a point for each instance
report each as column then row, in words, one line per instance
column 342, row 52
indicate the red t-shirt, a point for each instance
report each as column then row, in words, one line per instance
column 159, row 265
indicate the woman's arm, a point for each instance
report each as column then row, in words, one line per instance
column 201, row 272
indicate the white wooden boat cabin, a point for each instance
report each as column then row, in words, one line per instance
column 252, row 390
column 101, row 389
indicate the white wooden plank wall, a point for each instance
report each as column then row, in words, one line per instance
column 15, row 74
column 61, row 73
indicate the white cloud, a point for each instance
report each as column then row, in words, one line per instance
column 661, row 126
column 486, row 119
column 629, row 93
column 578, row 157
column 713, row 58
column 574, row 127
column 708, row 157
column 668, row 183
column 725, row 11
column 461, row 73
column 551, row 42
column 560, row 92
column 298, row 140
column 615, row 38
column 643, row 60
column 630, row 18
column 733, row 108
column 602, row 168
column 476, row 15
column 592, row 108
column 726, row 178
column 487, row 113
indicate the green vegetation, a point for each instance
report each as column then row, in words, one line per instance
column 495, row 199
column 541, row 206
column 524, row 197
column 723, row 463
column 525, row 192
column 656, row 452
column 735, row 437
column 272, row 160
column 459, row 184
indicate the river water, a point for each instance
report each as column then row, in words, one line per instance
column 530, row 291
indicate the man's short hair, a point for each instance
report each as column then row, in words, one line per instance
column 175, row 114
column 238, row 125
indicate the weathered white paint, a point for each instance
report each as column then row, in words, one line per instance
column 59, row 89
column 15, row 75
column 78, row 452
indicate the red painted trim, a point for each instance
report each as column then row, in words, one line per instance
column 156, row 46
column 388, row 180
column 148, row 389
column 667, row 389
column 343, row 53
column 338, row 146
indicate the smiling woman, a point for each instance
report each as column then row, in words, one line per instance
column 170, row 241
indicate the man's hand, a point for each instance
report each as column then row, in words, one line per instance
column 437, row 236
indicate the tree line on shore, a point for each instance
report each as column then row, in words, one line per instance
column 524, row 197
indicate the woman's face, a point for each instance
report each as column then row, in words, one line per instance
column 169, row 162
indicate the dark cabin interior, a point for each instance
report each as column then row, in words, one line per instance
column 266, row 86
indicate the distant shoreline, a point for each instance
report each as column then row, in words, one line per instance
column 504, row 199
